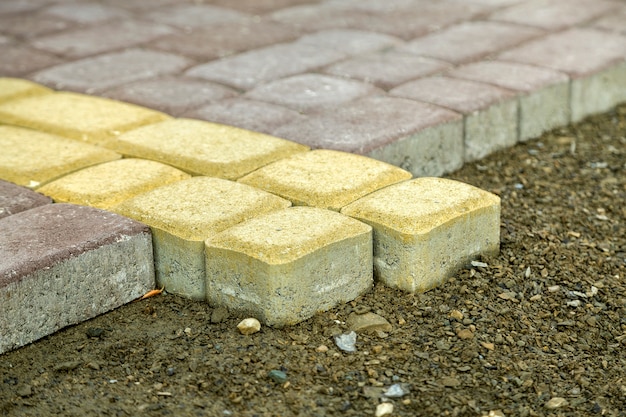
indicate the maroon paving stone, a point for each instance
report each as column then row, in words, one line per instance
column 247, row 114
column 189, row 16
column 248, row 69
column 350, row 41
column 102, row 38
column 470, row 41
column 86, row 13
column 30, row 25
column 19, row 61
column 614, row 22
column 225, row 39
column 308, row 92
column 386, row 69
column 15, row 199
column 554, row 15
column 170, row 94
column 106, row 71
column 258, row 6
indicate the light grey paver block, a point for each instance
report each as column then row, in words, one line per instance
column 598, row 92
column 62, row 264
column 427, row 228
column 284, row 267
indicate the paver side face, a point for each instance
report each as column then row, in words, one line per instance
column 13, row 88
column 325, row 178
column 15, row 199
column 205, row 148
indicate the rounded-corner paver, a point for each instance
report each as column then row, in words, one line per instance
column 325, row 178
column 204, row 148
column 108, row 184
column 15, row 199
column 184, row 214
column 427, row 228
column 13, row 88
column 287, row 265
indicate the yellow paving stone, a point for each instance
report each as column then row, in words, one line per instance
column 427, row 228
column 285, row 266
column 325, row 178
column 92, row 119
column 183, row 214
column 31, row 158
column 108, row 184
column 13, row 88
column 204, row 148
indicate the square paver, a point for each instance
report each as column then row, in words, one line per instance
column 491, row 113
column 184, row 214
column 316, row 17
column 190, row 16
column 428, row 228
column 19, row 60
column 204, row 148
column 15, row 199
column 350, row 41
column 31, row 25
column 12, row 88
column 325, row 178
column 62, row 264
column 287, row 265
column 86, row 13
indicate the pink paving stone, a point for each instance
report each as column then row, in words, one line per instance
column 86, row 13
column 19, row 60
column 350, row 41
column 106, row 71
column 189, row 16
column 614, row 22
column 386, row 69
column 225, row 39
column 554, row 15
column 307, row 92
column 248, row 69
column 170, row 94
column 470, row 41
column 15, row 199
column 30, row 25
column 102, row 38
column 247, row 114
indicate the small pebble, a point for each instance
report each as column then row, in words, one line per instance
column 396, row 391
column 465, row 334
column 277, row 376
column 556, row 402
column 384, row 409
column 346, row 342
column 456, row 314
column 249, row 326
column 322, row 349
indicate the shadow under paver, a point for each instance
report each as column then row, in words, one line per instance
column 15, row 199
column 62, row 264
column 287, row 265
column 183, row 215
column 428, row 228
column 204, row 148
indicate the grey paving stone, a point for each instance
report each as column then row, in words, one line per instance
column 613, row 22
column 316, row 17
column 106, row 71
column 189, row 16
column 19, row 61
column 15, row 199
column 258, row 6
column 86, row 13
column 22, row 5
column 62, row 264
column 350, row 41
column 30, row 25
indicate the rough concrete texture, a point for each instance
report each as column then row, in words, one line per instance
column 285, row 266
column 184, row 214
column 205, row 148
column 107, row 185
column 15, row 199
column 324, row 178
column 62, row 264
column 31, row 158
column 92, row 119
column 598, row 92
column 12, row 88
column 427, row 228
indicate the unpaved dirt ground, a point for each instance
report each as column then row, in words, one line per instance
column 540, row 330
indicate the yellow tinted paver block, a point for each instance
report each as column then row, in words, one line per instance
column 31, row 158
column 325, row 178
column 182, row 215
column 109, row 184
column 427, row 228
column 92, row 119
column 204, row 148
column 285, row 266
column 12, row 88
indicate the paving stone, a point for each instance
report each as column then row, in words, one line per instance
column 576, row 53
column 204, row 148
column 613, row 22
column 350, row 41
column 285, row 266
column 427, row 228
column 246, row 114
column 324, row 178
column 62, row 264
column 30, row 25
column 308, row 92
column 172, row 95
column 101, row 38
column 248, row 69
column 18, row 60
column 95, row 74
column 86, row 13
column 184, row 214
column 14, row 88
column 189, row 16
column 491, row 113
column 386, row 69
column 31, row 158
column 544, row 93
column 109, row 184
column 140, row 6
column 258, row 7
column 423, row 139
column 16, row 6
column 15, row 199
column 470, row 41
column 316, row 17
column 91, row 119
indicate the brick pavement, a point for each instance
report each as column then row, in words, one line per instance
column 389, row 90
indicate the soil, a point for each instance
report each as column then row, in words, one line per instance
column 539, row 330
